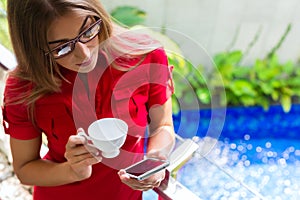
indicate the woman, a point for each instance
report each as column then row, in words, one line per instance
column 74, row 67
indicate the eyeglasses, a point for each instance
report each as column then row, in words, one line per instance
column 84, row 37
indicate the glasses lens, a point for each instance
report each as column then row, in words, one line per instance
column 62, row 50
column 90, row 34
column 84, row 37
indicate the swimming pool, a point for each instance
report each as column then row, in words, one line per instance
column 256, row 155
column 246, row 169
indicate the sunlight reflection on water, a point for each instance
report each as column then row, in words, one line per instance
column 250, row 167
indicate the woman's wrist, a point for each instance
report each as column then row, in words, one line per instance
column 70, row 175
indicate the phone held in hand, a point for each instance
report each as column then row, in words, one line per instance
column 145, row 168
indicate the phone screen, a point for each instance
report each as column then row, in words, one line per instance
column 144, row 166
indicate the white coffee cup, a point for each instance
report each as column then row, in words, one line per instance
column 107, row 135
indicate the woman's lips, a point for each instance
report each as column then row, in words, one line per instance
column 86, row 63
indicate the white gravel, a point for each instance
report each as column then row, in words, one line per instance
column 10, row 187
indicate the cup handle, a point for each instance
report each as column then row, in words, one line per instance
column 89, row 143
column 83, row 134
column 88, row 140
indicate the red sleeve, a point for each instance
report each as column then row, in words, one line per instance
column 16, row 120
column 161, row 86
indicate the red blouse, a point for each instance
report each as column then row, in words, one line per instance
column 109, row 93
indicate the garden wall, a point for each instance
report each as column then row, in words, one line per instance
column 215, row 23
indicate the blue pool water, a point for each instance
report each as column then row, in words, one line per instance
column 246, row 169
column 235, row 122
column 256, row 154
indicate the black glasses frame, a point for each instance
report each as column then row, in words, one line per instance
column 73, row 41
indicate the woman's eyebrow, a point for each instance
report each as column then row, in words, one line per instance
column 65, row 39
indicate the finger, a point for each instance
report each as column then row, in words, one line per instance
column 157, row 184
column 143, row 187
column 74, row 141
column 147, row 186
column 93, row 160
column 81, row 152
column 92, row 149
column 124, row 176
column 78, row 150
column 80, row 130
column 155, row 179
column 79, row 158
column 152, row 183
column 133, row 183
column 87, row 161
column 89, row 146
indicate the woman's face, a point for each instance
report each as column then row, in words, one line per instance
column 84, row 56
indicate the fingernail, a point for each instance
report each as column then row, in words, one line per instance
column 80, row 130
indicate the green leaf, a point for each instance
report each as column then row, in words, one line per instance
column 128, row 15
column 288, row 67
column 266, row 88
column 4, row 34
column 287, row 91
column 275, row 95
column 175, row 105
column 273, row 61
column 286, row 103
column 178, row 62
column 297, row 71
column 219, row 58
column 263, row 101
column 203, row 95
column 247, row 100
column 276, row 83
column 242, row 87
column 241, row 72
column 228, row 58
column 226, row 71
column 294, row 81
column 3, row 4
column 259, row 65
column 268, row 74
column 234, row 57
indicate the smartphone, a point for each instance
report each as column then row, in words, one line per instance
column 145, row 168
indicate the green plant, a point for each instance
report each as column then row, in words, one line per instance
column 190, row 83
column 128, row 15
column 267, row 81
column 4, row 35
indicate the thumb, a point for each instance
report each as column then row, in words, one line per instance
column 123, row 175
column 80, row 130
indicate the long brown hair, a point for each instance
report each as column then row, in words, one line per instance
column 28, row 25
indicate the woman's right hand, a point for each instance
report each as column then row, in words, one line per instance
column 79, row 158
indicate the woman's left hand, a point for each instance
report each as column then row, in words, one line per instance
column 144, row 185
column 148, row 183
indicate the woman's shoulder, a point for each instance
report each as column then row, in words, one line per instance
column 159, row 53
column 14, row 86
column 159, row 56
column 15, row 82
